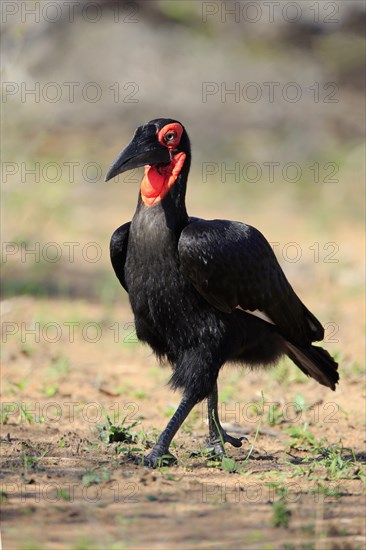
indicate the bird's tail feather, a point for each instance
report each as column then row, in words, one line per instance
column 315, row 362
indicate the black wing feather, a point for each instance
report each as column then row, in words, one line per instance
column 118, row 252
column 232, row 264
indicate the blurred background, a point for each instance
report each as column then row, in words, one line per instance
column 272, row 97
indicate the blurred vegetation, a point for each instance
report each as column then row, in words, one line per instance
column 159, row 55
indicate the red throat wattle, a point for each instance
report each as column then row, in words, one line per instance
column 158, row 180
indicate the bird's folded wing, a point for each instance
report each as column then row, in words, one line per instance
column 118, row 252
column 232, row 265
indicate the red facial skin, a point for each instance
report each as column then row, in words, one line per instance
column 157, row 182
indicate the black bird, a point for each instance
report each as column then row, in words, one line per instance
column 203, row 293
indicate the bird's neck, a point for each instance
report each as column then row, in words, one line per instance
column 163, row 191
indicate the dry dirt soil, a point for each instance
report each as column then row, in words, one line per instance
column 297, row 482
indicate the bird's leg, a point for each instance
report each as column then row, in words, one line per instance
column 161, row 448
column 217, row 435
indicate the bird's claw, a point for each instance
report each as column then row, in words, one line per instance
column 215, row 442
column 234, row 441
column 156, row 460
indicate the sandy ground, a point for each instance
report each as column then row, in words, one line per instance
column 62, row 487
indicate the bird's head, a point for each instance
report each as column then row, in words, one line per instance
column 162, row 146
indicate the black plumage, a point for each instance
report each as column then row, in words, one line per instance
column 204, row 292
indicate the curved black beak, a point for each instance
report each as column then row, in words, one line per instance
column 143, row 149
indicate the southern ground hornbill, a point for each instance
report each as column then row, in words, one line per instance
column 203, row 292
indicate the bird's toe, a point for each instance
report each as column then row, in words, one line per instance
column 215, row 449
column 155, row 460
column 234, row 441
column 215, row 443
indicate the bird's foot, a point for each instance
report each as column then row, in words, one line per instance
column 156, row 459
column 215, row 442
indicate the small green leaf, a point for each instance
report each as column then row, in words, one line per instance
column 228, row 464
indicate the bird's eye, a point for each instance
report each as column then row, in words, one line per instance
column 169, row 136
